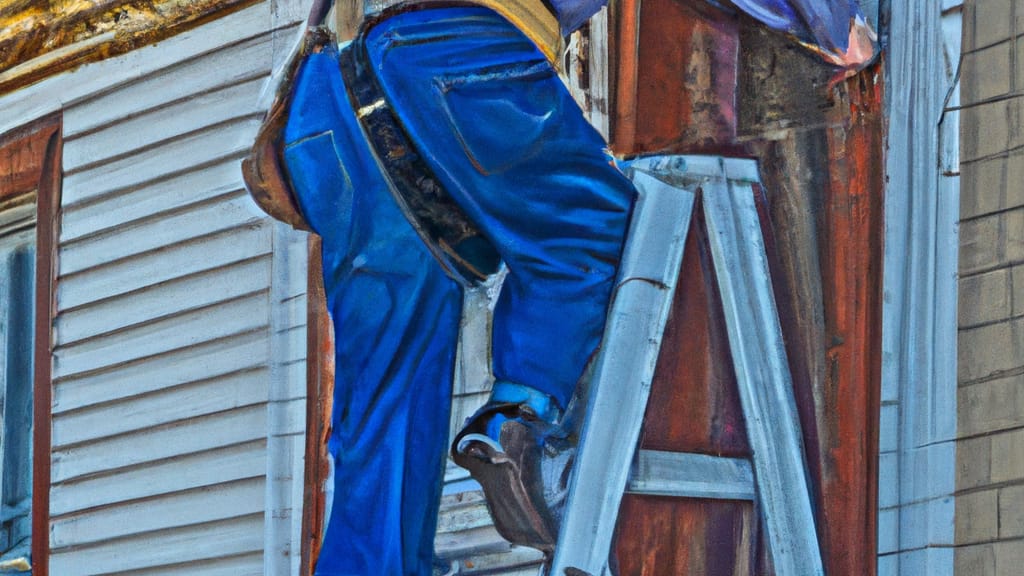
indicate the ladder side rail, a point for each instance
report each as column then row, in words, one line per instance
column 762, row 369
column 622, row 375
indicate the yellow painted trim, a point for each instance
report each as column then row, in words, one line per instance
column 535, row 20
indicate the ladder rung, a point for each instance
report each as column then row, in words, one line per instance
column 687, row 475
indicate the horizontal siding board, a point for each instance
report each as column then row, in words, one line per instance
column 162, row 407
column 185, row 473
column 224, row 213
column 167, row 263
column 162, row 300
column 229, row 65
column 243, row 565
column 175, row 510
column 166, row 195
column 234, row 317
column 162, row 124
column 191, row 364
column 155, row 444
column 221, row 141
column 199, row 544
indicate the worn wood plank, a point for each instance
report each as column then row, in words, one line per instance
column 220, row 142
column 62, row 91
column 694, row 404
column 228, row 65
column 175, row 193
column 165, row 406
column 682, row 98
column 852, row 285
column 317, row 411
column 153, row 444
column 198, row 544
column 173, row 297
column 201, row 110
column 169, row 262
column 234, row 317
column 685, row 536
column 22, row 156
column 39, row 41
column 224, row 213
column 165, row 477
column 179, row 509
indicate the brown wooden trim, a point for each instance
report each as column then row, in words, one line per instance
column 319, row 396
column 48, row 184
column 30, row 160
column 22, row 155
column 852, row 257
column 624, row 22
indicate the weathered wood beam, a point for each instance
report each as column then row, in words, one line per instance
column 37, row 41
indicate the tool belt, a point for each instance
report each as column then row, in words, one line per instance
column 463, row 251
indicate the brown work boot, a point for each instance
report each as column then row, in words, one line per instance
column 523, row 465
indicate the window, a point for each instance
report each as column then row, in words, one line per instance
column 29, row 199
column 17, row 296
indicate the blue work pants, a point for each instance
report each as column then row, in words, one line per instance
column 501, row 133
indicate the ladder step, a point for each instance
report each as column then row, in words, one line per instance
column 687, row 475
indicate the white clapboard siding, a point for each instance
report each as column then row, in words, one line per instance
column 174, row 296
column 168, row 263
column 173, row 333
column 197, row 506
column 208, row 468
column 162, row 407
column 141, row 132
column 167, row 195
column 217, row 142
column 234, row 539
column 177, row 433
column 208, row 360
column 154, row 444
column 221, row 213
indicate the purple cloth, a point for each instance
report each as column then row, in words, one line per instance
column 823, row 25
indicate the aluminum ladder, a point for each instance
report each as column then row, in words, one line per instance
column 608, row 462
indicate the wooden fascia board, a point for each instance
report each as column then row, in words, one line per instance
column 38, row 42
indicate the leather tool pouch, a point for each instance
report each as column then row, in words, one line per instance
column 263, row 169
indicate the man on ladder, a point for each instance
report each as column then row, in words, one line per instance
column 437, row 145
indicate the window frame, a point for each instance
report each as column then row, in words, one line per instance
column 30, row 160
